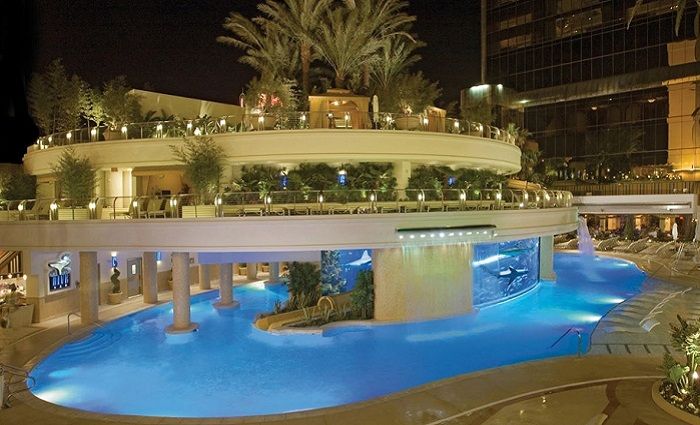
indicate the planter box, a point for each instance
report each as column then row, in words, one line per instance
column 73, row 214
column 194, row 211
column 409, row 122
column 21, row 317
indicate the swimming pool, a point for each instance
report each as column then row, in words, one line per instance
column 230, row 368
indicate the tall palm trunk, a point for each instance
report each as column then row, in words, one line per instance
column 339, row 81
column 305, row 66
column 365, row 75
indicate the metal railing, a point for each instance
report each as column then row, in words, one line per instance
column 8, row 380
column 283, row 203
column 579, row 337
column 629, row 188
column 276, row 121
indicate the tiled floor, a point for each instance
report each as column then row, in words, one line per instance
column 507, row 395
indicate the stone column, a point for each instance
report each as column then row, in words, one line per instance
column 402, row 172
column 181, row 294
column 547, row 258
column 127, row 186
column 252, row 271
column 274, row 273
column 204, row 277
column 89, row 287
column 419, row 282
column 226, row 287
column 150, row 278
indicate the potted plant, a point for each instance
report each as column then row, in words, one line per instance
column 119, row 106
column 410, row 95
column 267, row 98
column 115, row 295
column 203, row 159
column 242, row 269
column 76, row 180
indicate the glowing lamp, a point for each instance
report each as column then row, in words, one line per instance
column 20, row 207
column 69, row 135
column 124, row 129
column 197, row 132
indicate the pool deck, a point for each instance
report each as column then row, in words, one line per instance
column 565, row 390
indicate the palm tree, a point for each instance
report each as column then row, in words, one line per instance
column 613, row 149
column 394, row 57
column 679, row 6
column 351, row 37
column 298, row 20
column 267, row 50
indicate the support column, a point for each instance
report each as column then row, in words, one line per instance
column 402, row 172
column 274, row 273
column 547, row 258
column 226, row 287
column 419, row 282
column 181, row 294
column 204, row 276
column 89, row 287
column 150, row 278
column 252, row 271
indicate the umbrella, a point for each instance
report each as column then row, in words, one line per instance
column 375, row 108
column 674, row 231
column 697, row 232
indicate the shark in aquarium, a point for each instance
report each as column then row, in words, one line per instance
column 364, row 259
column 511, row 273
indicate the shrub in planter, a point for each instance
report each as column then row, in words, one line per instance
column 679, row 386
column 76, row 177
column 363, row 295
column 304, row 285
column 203, row 160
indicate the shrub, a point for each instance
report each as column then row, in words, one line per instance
column 332, row 280
column 362, row 297
column 75, row 177
column 16, row 186
column 119, row 106
column 203, row 160
column 304, row 285
column 55, row 98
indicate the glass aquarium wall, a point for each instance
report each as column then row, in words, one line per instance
column 339, row 269
column 505, row 269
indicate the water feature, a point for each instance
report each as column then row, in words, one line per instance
column 585, row 243
column 230, row 368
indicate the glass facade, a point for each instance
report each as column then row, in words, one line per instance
column 537, row 44
column 504, row 270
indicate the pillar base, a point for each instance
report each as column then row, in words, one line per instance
column 551, row 277
column 226, row 306
column 172, row 330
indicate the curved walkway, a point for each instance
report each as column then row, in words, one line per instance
column 575, row 390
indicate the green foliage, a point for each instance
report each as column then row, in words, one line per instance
column 529, row 160
column 410, row 93
column 612, row 149
column 91, row 106
column 16, row 186
column 394, row 57
column 258, row 178
column 478, row 111
column 362, row 297
column 332, row 280
column 203, row 159
column 679, row 6
column 55, row 99
column 118, row 105
column 685, row 338
column 629, row 227
column 304, row 285
column 75, row 176
column 267, row 49
column 271, row 95
column 313, row 176
column 436, row 178
column 116, row 288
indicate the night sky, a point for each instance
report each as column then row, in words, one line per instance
column 169, row 46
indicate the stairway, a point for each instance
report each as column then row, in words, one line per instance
column 10, row 262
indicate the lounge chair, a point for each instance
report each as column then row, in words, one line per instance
column 607, row 244
column 645, row 327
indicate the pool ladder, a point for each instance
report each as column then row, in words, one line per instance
column 8, row 378
column 579, row 335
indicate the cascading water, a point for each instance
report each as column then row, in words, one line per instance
column 585, row 243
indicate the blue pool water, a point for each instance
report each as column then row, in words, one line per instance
column 229, row 368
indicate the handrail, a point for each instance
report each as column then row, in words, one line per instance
column 73, row 313
column 579, row 334
column 269, row 121
column 16, row 372
column 293, row 202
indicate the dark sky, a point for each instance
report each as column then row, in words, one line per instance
column 170, row 45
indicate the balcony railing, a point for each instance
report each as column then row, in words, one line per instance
column 276, row 121
column 652, row 187
column 283, row 203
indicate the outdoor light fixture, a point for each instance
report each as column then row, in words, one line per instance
column 372, row 198
column 197, row 132
column 69, row 135
column 93, row 132
column 421, row 197
column 342, row 177
column 189, row 125
column 594, row 108
column 53, row 209
column 462, row 196
column 302, row 118
column 457, row 125
column 441, row 235
column 50, row 139
column 124, row 130
column 320, row 198
column 222, row 122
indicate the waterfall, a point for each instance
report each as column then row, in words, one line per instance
column 585, row 244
